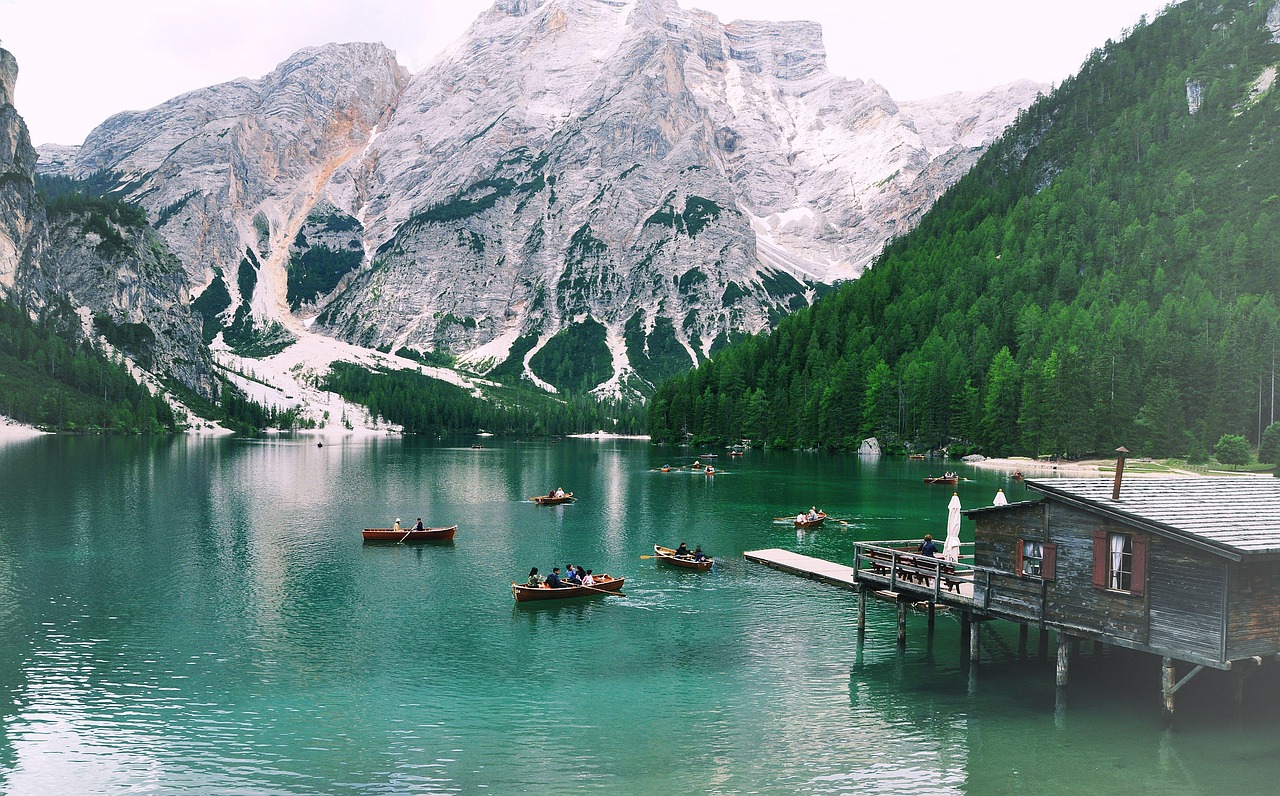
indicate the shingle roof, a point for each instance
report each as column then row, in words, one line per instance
column 1236, row 514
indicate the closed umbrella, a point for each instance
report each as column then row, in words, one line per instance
column 951, row 549
column 1000, row 500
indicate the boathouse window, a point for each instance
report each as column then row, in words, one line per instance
column 1035, row 558
column 1119, row 561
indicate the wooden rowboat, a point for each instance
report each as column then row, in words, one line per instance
column 668, row 556
column 942, row 479
column 605, row 584
column 544, row 500
column 816, row 522
column 409, row 534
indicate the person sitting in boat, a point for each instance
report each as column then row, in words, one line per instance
column 928, row 547
column 698, row 555
column 800, row 517
column 396, row 527
column 572, row 575
column 587, row 580
column 559, row 491
column 682, row 551
column 813, row 513
column 551, row 492
column 534, row 580
column 553, row 580
column 417, row 526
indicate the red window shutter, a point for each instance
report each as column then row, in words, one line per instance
column 1100, row 559
column 1048, row 567
column 1139, row 584
column 1017, row 556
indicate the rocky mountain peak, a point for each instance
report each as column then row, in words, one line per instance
column 641, row 181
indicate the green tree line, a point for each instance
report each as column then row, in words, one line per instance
column 51, row 378
column 1106, row 274
column 429, row 406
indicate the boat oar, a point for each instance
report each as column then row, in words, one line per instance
column 602, row 591
column 643, row 558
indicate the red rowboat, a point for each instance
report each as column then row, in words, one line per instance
column 544, row 500
column 409, row 534
column 605, row 584
column 668, row 556
column 816, row 522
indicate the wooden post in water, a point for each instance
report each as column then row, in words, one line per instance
column 1064, row 657
column 1168, row 678
column 862, row 607
column 1022, row 641
column 975, row 650
column 1042, row 643
column 931, row 612
column 902, row 620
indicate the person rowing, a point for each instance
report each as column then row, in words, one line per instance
column 682, row 551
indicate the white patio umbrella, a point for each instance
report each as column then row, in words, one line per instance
column 1000, row 500
column 951, row 549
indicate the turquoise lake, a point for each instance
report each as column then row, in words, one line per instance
column 200, row 615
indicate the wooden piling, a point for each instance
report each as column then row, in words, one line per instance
column 1167, row 681
column 1064, row 657
column 1022, row 641
column 975, row 650
column 862, row 607
column 902, row 621
column 1042, row 643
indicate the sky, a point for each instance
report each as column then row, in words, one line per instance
column 80, row 61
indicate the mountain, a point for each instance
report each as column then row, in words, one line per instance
column 94, row 268
column 582, row 194
column 1107, row 274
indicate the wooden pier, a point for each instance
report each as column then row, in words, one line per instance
column 804, row 566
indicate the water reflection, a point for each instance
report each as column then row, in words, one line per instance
column 203, row 615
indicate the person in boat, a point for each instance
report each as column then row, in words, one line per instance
column 534, row 580
column 698, row 555
column 800, row 517
column 551, row 492
column 417, row 526
column 396, row 526
column 587, row 580
column 928, row 547
column 813, row 513
column 682, row 551
column 559, row 491
column 553, row 580
column 572, row 575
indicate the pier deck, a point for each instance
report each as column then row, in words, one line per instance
column 805, row 566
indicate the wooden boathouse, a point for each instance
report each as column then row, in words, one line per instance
column 1187, row 569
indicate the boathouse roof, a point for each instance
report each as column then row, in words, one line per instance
column 1233, row 516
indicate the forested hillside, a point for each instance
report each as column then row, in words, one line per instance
column 1107, row 274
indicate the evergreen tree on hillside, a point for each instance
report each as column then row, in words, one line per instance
column 1106, row 274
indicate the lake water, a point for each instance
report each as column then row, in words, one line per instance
column 201, row 615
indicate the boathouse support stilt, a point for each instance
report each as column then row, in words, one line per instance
column 975, row 651
column 1167, row 687
column 1022, row 641
column 1064, row 658
column 862, row 607
column 932, row 606
column 902, row 620
column 1042, row 643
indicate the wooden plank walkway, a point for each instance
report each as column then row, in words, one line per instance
column 805, row 566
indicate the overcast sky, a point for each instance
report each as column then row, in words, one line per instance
column 80, row 61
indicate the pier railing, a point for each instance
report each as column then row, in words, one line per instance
column 895, row 564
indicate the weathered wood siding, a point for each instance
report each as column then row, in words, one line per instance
column 1179, row 612
column 1254, row 610
column 996, row 546
column 1186, row 589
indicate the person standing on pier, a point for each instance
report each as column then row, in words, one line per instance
column 928, row 547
